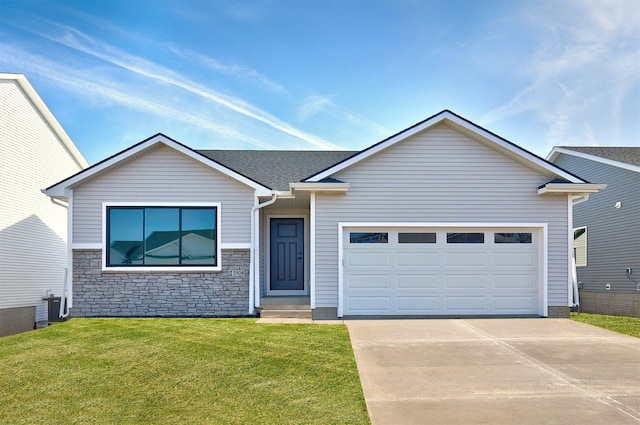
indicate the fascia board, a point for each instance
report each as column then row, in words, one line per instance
column 320, row 187
column 48, row 116
column 553, row 155
column 570, row 188
column 58, row 189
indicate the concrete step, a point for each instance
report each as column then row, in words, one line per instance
column 286, row 307
column 286, row 314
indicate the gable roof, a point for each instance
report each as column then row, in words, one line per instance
column 58, row 190
column 622, row 157
column 47, row 115
column 465, row 127
column 276, row 169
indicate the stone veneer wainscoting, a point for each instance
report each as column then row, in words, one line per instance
column 160, row 294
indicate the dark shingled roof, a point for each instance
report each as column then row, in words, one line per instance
column 628, row 155
column 276, row 169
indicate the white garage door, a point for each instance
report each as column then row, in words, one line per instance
column 441, row 271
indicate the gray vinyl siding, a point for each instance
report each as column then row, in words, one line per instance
column 440, row 176
column 613, row 235
column 33, row 230
column 162, row 175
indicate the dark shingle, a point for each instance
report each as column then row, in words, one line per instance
column 276, row 169
column 628, row 155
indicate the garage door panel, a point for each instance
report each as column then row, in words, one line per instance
column 417, row 259
column 465, row 259
column 418, row 305
column 513, row 281
column 369, row 304
column 465, row 281
column 369, row 259
column 369, row 281
column 461, row 304
column 513, row 304
column 514, row 259
column 416, row 281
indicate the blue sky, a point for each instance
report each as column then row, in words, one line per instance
column 327, row 74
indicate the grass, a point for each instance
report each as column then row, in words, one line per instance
column 621, row 324
column 180, row 371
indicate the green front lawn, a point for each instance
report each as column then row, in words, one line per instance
column 621, row 324
column 180, row 371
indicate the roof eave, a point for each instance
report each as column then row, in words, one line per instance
column 577, row 189
column 457, row 121
column 320, row 187
column 48, row 116
column 60, row 188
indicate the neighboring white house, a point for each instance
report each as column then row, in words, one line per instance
column 34, row 152
column 444, row 218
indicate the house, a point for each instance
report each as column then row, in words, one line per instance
column 34, row 151
column 607, row 228
column 444, row 218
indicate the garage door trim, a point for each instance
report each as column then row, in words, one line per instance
column 543, row 247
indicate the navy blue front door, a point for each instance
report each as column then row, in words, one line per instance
column 287, row 254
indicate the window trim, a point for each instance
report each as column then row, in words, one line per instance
column 165, row 268
column 586, row 245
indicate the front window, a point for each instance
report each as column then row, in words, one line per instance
column 162, row 236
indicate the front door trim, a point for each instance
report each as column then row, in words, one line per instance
column 267, row 245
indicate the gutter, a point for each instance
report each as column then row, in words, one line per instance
column 254, row 290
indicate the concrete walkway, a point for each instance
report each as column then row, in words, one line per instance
column 496, row 371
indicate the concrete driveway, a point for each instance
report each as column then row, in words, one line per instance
column 496, row 371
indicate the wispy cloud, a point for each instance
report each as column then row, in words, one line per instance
column 85, row 84
column 322, row 105
column 585, row 64
column 240, row 72
column 77, row 40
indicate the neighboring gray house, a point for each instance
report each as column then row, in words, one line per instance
column 442, row 219
column 607, row 228
column 34, row 151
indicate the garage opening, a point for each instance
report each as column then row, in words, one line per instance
column 441, row 271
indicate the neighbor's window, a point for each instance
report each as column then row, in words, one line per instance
column 465, row 237
column 512, row 237
column 161, row 236
column 580, row 246
column 362, row 237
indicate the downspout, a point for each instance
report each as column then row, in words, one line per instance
column 65, row 297
column 254, row 291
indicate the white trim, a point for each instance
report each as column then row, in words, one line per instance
column 305, row 224
column 556, row 151
column 544, row 271
column 312, row 249
column 70, row 244
column 572, row 188
column 319, row 187
column 570, row 251
column 96, row 245
column 452, row 118
column 114, row 161
column 48, row 116
column 543, row 254
column 216, row 268
column 237, row 245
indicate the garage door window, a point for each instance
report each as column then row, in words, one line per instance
column 512, row 237
column 465, row 237
column 368, row 237
column 417, row 237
